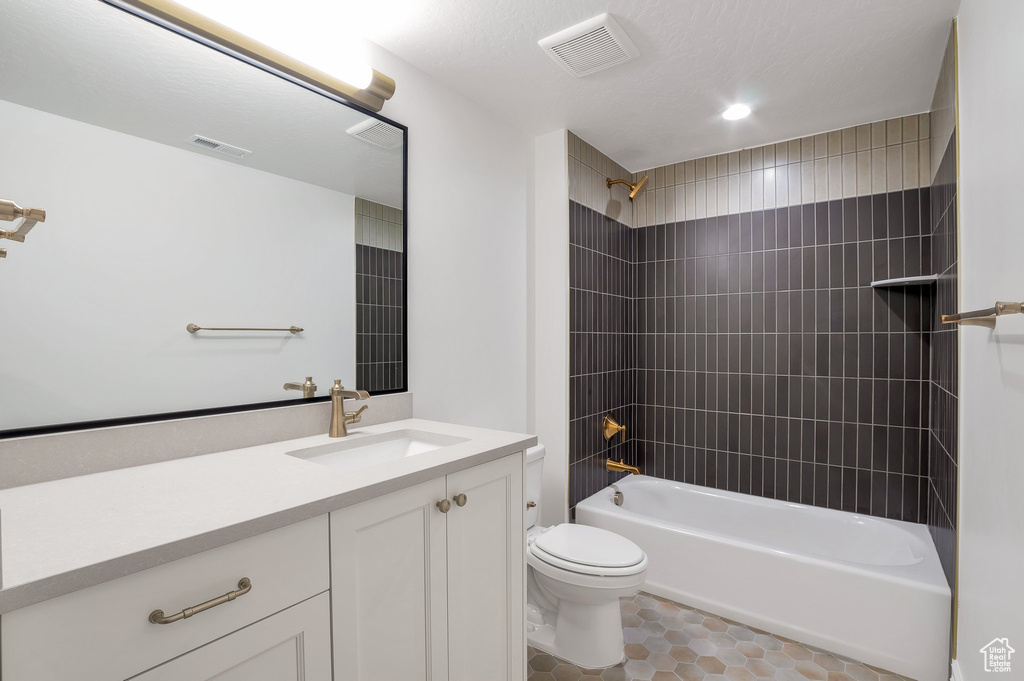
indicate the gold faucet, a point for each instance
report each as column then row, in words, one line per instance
column 609, row 426
column 308, row 388
column 339, row 417
column 620, row 466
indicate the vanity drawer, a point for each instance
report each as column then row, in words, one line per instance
column 104, row 632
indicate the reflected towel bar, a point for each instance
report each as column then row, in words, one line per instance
column 192, row 328
column 986, row 317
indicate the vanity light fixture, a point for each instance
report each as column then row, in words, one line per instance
column 375, row 88
column 736, row 112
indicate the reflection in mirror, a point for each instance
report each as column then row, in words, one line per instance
column 180, row 187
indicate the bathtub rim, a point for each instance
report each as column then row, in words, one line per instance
column 925, row 574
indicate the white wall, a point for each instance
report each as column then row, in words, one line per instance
column 991, row 532
column 550, row 307
column 143, row 238
column 467, row 219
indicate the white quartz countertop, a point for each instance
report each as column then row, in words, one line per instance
column 65, row 535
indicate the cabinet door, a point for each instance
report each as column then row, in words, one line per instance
column 388, row 587
column 486, row 559
column 293, row 645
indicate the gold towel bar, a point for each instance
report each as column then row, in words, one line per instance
column 192, row 328
column 986, row 317
column 244, row 587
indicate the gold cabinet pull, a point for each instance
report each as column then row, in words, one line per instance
column 460, row 500
column 444, row 505
column 244, row 587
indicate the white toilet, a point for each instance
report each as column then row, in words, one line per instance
column 575, row 577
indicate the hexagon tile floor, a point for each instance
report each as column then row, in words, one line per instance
column 666, row 641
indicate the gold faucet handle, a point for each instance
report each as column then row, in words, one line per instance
column 609, row 427
column 355, row 416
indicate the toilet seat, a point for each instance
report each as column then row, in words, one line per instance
column 589, row 551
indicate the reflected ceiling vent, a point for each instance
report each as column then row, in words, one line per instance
column 591, row 46
column 377, row 133
column 219, row 147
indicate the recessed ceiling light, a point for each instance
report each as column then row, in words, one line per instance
column 736, row 112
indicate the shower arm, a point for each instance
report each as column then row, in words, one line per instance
column 10, row 211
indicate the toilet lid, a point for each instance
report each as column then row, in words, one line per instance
column 585, row 545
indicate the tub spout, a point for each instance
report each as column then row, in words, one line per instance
column 620, row 466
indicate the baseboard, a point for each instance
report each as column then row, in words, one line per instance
column 955, row 673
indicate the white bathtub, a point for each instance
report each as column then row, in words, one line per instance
column 863, row 587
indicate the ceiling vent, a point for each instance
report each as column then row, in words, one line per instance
column 378, row 133
column 591, row 46
column 219, row 147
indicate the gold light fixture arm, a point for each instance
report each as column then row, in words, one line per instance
column 10, row 211
column 184, row 20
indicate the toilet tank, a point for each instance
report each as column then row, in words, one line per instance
column 534, row 481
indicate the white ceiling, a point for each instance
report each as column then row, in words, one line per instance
column 86, row 60
column 805, row 66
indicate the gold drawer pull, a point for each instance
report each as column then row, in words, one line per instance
column 244, row 587
column 460, row 500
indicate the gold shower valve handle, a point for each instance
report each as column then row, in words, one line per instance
column 609, row 426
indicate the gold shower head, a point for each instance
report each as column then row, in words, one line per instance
column 634, row 189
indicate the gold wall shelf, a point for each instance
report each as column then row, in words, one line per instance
column 986, row 317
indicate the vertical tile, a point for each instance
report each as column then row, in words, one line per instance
column 782, row 186
column 781, row 153
column 757, row 189
column 757, row 158
column 821, row 179
column 700, row 169
column 723, row 164
column 894, row 131
column 659, row 205
column 769, row 188
column 691, row 200
column 849, row 140
column 712, row 164
column 863, row 137
column 680, row 202
column 806, row 150
column 910, row 128
column 849, row 175
column 689, row 171
column 863, row 173
column 794, row 184
column 701, row 199
column 670, row 204
column 878, row 168
column 924, row 128
column 734, row 194
column 640, row 212
column 821, row 145
column 910, row 170
column 924, row 164
column 769, row 156
column 835, row 177
column 894, row 168
column 807, row 181
column 734, row 163
column 878, row 134
column 670, row 175
column 745, row 190
column 723, row 195
column 835, row 143
column 745, row 161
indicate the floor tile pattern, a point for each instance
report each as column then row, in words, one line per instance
column 666, row 641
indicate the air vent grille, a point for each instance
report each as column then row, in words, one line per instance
column 219, row 147
column 591, row 46
column 378, row 133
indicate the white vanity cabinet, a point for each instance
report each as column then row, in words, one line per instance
column 103, row 633
column 428, row 582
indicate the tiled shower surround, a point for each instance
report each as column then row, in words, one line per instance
column 762, row 361
column 380, row 272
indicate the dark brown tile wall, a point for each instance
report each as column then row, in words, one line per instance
column 763, row 362
column 768, row 365
column 602, row 379
column 943, row 432
column 379, row 319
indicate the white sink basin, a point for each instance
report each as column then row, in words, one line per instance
column 359, row 451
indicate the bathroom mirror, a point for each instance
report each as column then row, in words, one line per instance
column 185, row 187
